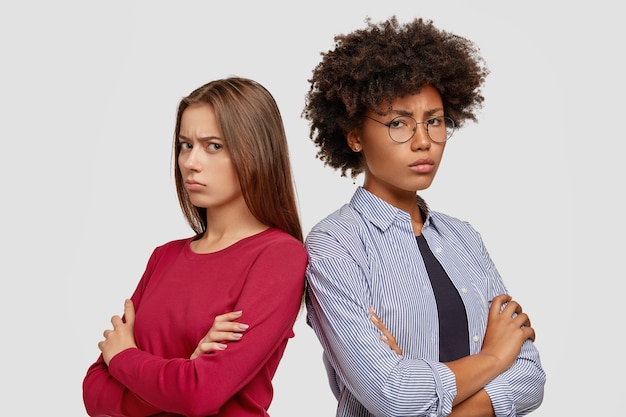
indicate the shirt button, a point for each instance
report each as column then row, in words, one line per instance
column 438, row 250
column 464, row 290
column 475, row 339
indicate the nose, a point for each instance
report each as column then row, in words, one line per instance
column 420, row 140
column 189, row 159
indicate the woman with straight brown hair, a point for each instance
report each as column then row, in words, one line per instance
column 239, row 278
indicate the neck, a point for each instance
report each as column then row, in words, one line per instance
column 226, row 227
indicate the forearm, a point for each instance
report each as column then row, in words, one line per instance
column 521, row 386
column 472, row 373
column 477, row 405
column 104, row 395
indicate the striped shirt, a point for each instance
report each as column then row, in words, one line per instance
column 365, row 254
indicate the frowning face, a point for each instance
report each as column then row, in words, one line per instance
column 205, row 163
column 395, row 169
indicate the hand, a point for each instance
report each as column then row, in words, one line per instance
column 386, row 337
column 122, row 336
column 224, row 328
column 507, row 330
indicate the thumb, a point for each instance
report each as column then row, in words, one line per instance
column 129, row 311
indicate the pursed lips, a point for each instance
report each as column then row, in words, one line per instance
column 422, row 165
column 192, row 184
column 423, row 161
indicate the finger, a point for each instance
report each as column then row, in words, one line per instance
column 373, row 316
column 209, row 347
column 379, row 324
column 129, row 311
column 226, row 327
column 214, row 336
column 384, row 330
column 496, row 305
column 116, row 321
column 501, row 302
column 233, row 315
column 529, row 333
column 515, row 306
column 392, row 344
column 522, row 319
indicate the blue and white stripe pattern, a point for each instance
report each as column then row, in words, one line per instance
column 365, row 254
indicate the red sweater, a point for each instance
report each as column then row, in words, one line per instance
column 176, row 301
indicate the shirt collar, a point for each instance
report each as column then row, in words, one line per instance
column 382, row 214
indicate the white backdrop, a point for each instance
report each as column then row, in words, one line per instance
column 87, row 105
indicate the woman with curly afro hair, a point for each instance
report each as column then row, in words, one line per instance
column 413, row 316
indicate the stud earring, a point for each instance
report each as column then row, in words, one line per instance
column 356, row 148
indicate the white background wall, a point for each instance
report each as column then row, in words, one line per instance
column 87, row 105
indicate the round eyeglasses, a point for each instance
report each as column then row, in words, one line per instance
column 402, row 128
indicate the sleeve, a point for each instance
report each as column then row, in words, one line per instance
column 105, row 395
column 270, row 301
column 519, row 390
column 337, row 301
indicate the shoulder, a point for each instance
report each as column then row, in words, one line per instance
column 336, row 223
column 341, row 220
column 276, row 250
column 177, row 244
column 274, row 236
column 171, row 248
column 276, row 240
column 336, row 235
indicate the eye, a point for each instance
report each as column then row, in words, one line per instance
column 213, row 147
column 435, row 121
column 399, row 123
column 185, row 145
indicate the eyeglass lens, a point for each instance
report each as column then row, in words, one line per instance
column 439, row 129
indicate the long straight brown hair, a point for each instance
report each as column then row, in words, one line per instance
column 254, row 134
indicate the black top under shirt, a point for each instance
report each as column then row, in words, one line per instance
column 453, row 332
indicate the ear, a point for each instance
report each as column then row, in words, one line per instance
column 354, row 140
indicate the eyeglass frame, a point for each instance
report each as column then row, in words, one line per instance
column 425, row 123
